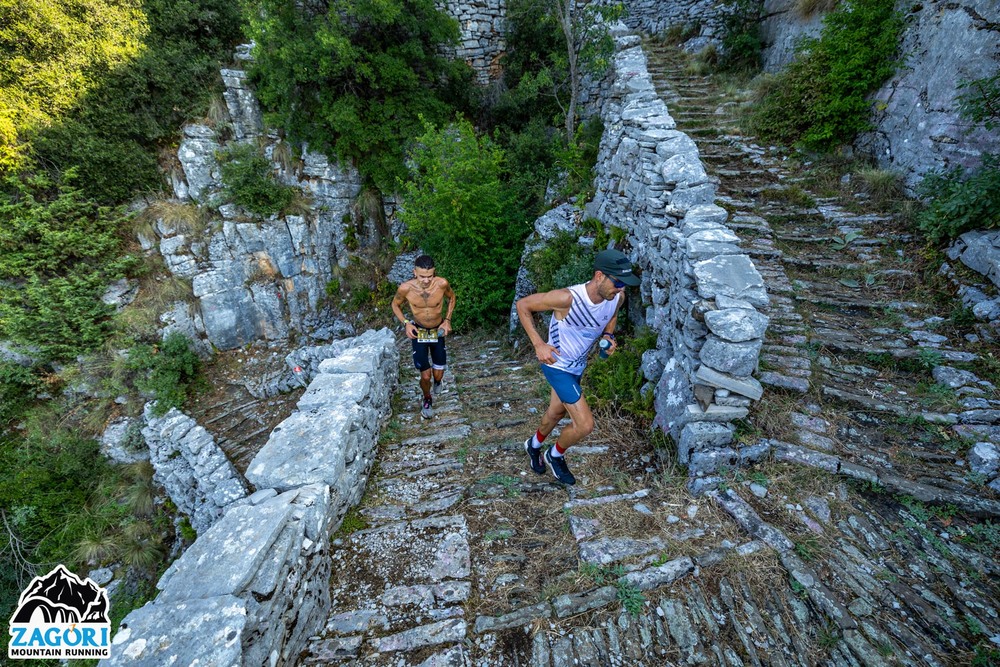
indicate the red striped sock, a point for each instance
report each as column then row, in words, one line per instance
column 559, row 451
column 539, row 437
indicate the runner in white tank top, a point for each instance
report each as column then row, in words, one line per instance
column 581, row 316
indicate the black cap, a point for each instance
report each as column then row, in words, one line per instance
column 615, row 264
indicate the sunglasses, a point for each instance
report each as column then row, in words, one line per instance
column 617, row 283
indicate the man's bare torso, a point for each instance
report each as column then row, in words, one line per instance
column 425, row 304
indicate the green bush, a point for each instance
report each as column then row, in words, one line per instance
column 561, row 262
column 619, row 378
column 353, row 78
column 577, row 160
column 961, row 200
column 109, row 97
column 17, row 389
column 979, row 101
column 169, row 372
column 741, row 41
column 58, row 253
column 460, row 210
column 249, row 181
column 821, row 100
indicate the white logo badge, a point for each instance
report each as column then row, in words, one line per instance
column 60, row 616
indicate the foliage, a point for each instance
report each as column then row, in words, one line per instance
column 249, row 181
column 461, row 212
column 619, row 379
column 104, row 84
column 18, row 385
column 50, row 51
column 821, row 100
column 578, row 158
column 353, row 77
column 741, row 40
column 170, row 371
column 960, row 200
column 58, row 253
column 979, row 101
column 561, row 262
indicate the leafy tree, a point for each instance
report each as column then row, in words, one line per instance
column 589, row 45
column 741, row 40
column 352, row 77
column 58, row 253
column 459, row 209
column 100, row 85
column 51, row 50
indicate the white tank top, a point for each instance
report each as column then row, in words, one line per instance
column 576, row 333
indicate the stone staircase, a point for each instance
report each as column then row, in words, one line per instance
column 863, row 543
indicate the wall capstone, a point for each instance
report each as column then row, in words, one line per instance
column 254, row 586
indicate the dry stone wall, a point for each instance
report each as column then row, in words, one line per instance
column 704, row 294
column 191, row 467
column 482, row 26
column 254, row 586
column 652, row 17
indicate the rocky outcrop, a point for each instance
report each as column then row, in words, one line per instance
column 254, row 277
column 703, row 291
column 784, row 26
column 254, row 586
column 915, row 114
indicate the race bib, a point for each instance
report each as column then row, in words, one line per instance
column 427, row 335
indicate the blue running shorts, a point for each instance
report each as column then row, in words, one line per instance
column 567, row 385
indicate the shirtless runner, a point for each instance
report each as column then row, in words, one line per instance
column 425, row 294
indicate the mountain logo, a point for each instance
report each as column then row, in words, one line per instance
column 60, row 616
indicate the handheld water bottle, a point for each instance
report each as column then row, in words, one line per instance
column 604, row 345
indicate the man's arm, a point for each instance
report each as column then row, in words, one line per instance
column 609, row 329
column 409, row 328
column 449, row 294
column 557, row 300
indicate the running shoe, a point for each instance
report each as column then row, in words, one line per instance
column 436, row 389
column 426, row 412
column 537, row 464
column 559, row 468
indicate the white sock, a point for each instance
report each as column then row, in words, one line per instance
column 534, row 442
column 554, row 452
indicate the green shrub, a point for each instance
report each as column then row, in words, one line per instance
column 618, row 379
column 169, row 372
column 577, row 160
column 353, row 78
column 17, row 389
column 561, row 262
column 821, row 100
column 460, row 210
column 125, row 110
column 961, row 200
column 249, row 181
column 741, row 41
column 979, row 101
column 58, row 253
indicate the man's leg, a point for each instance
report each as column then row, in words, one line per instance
column 425, row 382
column 553, row 415
column 439, row 360
column 582, row 426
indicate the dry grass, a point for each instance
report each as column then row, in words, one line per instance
column 217, row 114
column 177, row 216
column 885, row 187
